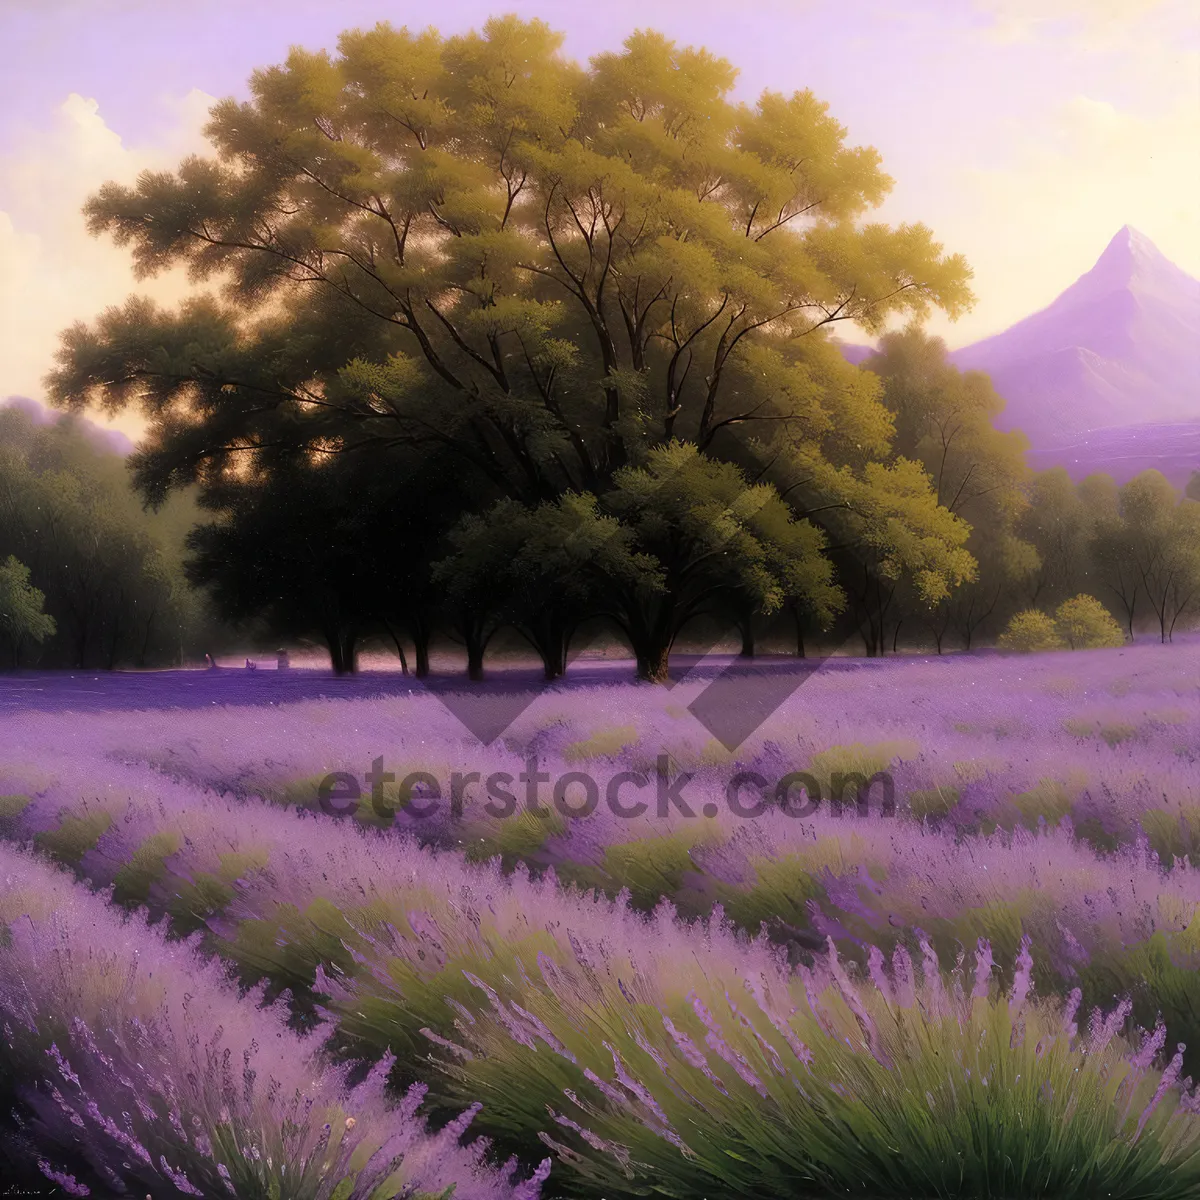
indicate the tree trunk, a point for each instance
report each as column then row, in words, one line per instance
column 81, row 643
column 1130, row 606
column 399, row 647
column 653, row 664
column 476, row 639
column 747, row 628
column 651, row 635
column 141, row 661
column 799, row 623
column 872, row 637
column 335, row 641
column 554, row 657
column 474, row 660
column 350, row 651
column 550, row 637
column 421, row 653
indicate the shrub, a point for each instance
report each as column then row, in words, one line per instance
column 1085, row 624
column 723, row 1082
column 1030, row 631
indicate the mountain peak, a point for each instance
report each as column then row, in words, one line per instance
column 1130, row 258
column 1128, row 235
column 1120, row 346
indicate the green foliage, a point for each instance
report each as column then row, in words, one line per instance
column 839, row 767
column 110, row 587
column 541, row 568
column 1085, row 624
column 562, row 284
column 990, row 1097
column 21, row 606
column 936, row 802
column 1173, row 835
column 1031, row 631
column 944, row 420
column 649, row 868
column 11, row 807
column 603, row 743
column 1112, row 732
column 133, row 883
column 1148, row 547
column 1060, row 525
column 712, row 538
column 779, row 895
column 514, row 839
column 1081, row 623
column 73, row 837
column 336, row 548
column 1048, row 800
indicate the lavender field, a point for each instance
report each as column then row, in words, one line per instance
column 222, row 973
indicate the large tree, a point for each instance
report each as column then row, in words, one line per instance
column 546, row 265
column 720, row 546
column 543, row 569
column 1060, row 523
column 476, row 246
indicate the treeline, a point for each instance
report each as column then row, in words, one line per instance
column 555, row 353
column 365, row 545
column 1134, row 547
column 88, row 577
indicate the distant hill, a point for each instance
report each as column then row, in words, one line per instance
column 1119, row 348
column 111, row 440
column 853, row 352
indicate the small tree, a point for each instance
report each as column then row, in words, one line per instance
column 22, row 615
column 1031, row 631
column 1085, row 624
column 719, row 545
column 543, row 570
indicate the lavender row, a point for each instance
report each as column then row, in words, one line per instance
column 413, row 949
column 131, row 1065
column 1111, row 741
column 244, row 869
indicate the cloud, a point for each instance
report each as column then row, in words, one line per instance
column 1018, row 20
column 52, row 273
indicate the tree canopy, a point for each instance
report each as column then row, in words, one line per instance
column 474, row 241
column 554, row 280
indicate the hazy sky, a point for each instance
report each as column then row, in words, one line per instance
column 1024, row 132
